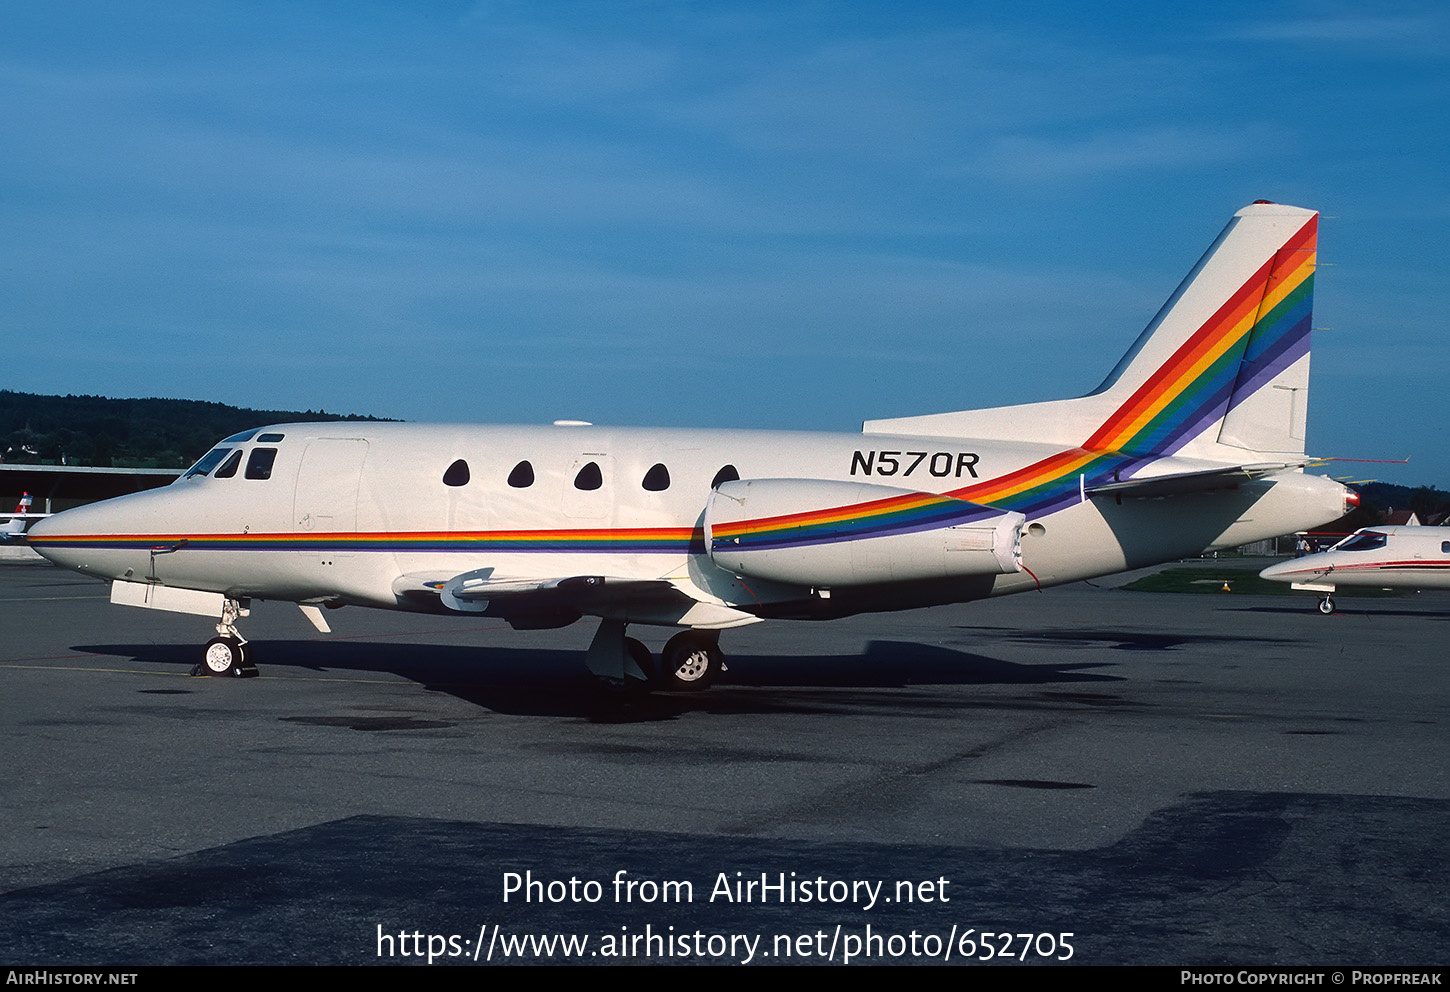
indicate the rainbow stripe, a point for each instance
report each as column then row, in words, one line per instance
column 638, row 540
column 904, row 514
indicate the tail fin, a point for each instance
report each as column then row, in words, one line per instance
column 1224, row 363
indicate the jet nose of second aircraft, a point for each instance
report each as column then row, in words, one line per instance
column 1279, row 572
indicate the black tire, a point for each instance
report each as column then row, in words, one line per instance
column 690, row 662
column 224, row 656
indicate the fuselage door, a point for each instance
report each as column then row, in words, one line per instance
column 327, row 485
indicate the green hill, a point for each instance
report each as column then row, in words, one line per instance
column 149, row 433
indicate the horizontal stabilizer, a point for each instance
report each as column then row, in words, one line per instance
column 1183, row 483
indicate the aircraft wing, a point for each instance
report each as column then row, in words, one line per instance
column 481, row 591
column 1194, row 481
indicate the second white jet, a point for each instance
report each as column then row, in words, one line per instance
column 1372, row 558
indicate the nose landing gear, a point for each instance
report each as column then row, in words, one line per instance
column 228, row 653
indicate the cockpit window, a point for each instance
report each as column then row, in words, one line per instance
column 208, row 461
column 229, row 469
column 259, row 465
column 1367, row 541
column 239, row 438
column 270, row 438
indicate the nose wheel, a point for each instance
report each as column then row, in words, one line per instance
column 227, row 656
column 1326, row 605
column 228, row 653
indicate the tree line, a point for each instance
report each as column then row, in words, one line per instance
column 122, row 433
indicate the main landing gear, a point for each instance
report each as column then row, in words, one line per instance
column 228, row 653
column 690, row 661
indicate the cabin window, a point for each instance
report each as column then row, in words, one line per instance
column 522, row 477
column 726, row 474
column 1368, row 541
column 457, row 474
column 589, row 478
column 1445, row 547
column 208, row 461
column 657, row 479
column 259, row 465
column 230, row 468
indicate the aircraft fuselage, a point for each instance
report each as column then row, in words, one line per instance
column 346, row 508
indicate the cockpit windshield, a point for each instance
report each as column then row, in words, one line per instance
column 208, row 461
column 1366, row 540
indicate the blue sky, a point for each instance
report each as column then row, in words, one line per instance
column 705, row 214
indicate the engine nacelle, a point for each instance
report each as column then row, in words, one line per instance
column 820, row 533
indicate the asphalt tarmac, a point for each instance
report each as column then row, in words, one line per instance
column 1085, row 774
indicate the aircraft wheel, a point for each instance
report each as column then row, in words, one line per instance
column 225, row 656
column 689, row 662
column 1326, row 606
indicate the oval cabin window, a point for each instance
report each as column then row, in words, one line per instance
column 589, row 478
column 657, row 479
column 522, row 477
column 457, row 474
column 726, row 474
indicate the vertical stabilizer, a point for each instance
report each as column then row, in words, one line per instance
column 1224, row 363
column 1227, row 358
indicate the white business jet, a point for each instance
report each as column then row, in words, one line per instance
column 1194, row 441
column 1372, row 557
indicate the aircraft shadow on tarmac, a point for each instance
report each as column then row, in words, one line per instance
column 553, row 682
column 1368, row 607
column 1117, row 640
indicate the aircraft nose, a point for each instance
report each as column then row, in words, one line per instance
column 47, row 538
column 1279, row 572
column 43, row 527
column 1306, row 569
column 87, row 539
